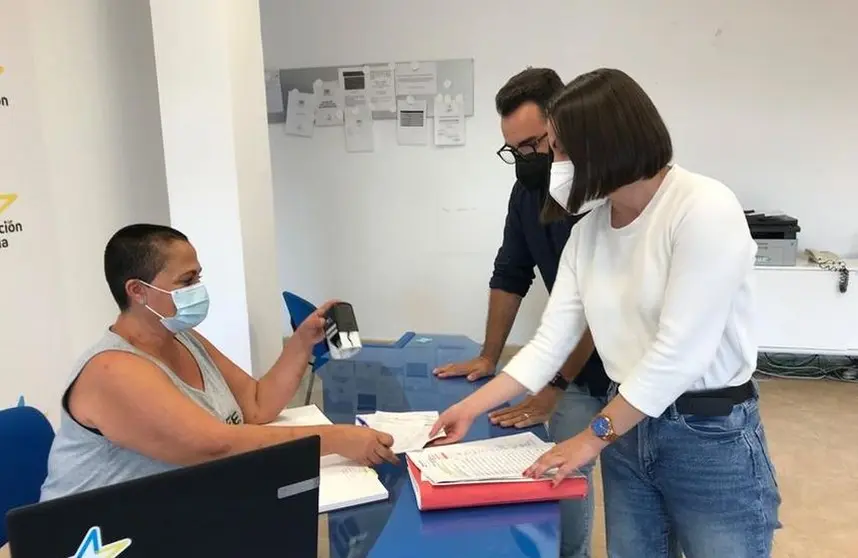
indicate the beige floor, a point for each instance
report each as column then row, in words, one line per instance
column 812, row 428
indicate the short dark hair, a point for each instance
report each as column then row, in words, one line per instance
column 537, row 85
column 612, row 133
column 136, row 252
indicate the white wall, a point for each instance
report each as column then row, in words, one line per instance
column 83, row 150
column 255, row 192
column 212, row 95
column 758, row 94
column 98, row 98
column 191, row 52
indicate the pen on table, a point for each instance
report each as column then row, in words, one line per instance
column 361, row 422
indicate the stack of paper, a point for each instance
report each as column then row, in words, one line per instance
column 484, row 473
column 343, row 483
column 410, row 430
column 496, row 460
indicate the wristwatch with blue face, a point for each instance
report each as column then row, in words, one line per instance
column 602, row 427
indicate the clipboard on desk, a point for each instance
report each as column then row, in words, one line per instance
column 451, row 496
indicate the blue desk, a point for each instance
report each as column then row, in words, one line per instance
column 400, row 379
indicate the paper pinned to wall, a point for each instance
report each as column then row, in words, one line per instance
column 330, row 103
column 373, row 82
column 411, row 125
column 449, row 115
column 360, row 137
column 381, row 87
column 273, row 93
column 417, row 78
column 300, row 113
column 353, row 83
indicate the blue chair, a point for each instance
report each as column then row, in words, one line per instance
column 25, row 441
column 299, row 310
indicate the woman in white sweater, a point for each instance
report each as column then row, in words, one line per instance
column 661, row 270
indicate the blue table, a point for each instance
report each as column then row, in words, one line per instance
column 400, row 379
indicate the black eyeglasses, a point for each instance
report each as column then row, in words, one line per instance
column 510, row 154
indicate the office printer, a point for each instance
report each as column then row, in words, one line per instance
column 775, row 236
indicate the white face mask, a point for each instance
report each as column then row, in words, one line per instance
column 560, row 186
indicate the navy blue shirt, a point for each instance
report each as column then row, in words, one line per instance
column 527, row 243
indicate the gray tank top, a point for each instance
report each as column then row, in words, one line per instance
column 82, row 459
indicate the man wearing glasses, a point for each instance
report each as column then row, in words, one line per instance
column 578, row 390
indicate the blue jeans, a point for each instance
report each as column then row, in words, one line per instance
column 573, row 415
column 704, row 483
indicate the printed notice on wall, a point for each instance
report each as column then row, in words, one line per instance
column 411, row 124
column 273, row 93
column 329, row 103
column 381, row 88
column 353, row 84
column 449, row 115
column 300, row 112
column 416, row 78
column 358, row 129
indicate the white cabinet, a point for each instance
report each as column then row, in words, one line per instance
column 801, row 310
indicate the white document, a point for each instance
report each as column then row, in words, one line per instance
column 342, row 483
column 273, row 93
column 330, row 103
column 309, row 415
column 381, row 89
column 449, row 115
column 410, row 430
column 360, row 137
column 498, row 459
column 353, row 84
column 411, row 124
column 300, row 113
column 416, row 78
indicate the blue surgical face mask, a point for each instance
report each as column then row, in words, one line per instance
column 192, row 306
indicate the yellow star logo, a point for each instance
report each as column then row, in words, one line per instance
column 114, row 549
column 6, row 200
column 91, row 546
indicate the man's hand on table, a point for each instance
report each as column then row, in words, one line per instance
column 535, row 409
column 474, row 369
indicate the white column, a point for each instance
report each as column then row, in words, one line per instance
column 208, row 57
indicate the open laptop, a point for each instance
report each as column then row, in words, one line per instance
column 261, row 503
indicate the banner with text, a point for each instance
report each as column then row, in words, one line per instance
column 33, row 343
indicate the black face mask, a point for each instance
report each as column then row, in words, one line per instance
column 533, row 170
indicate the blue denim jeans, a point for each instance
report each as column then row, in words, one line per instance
column 573, row 415
column 706, row 484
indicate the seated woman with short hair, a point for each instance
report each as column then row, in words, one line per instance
column 153, row 394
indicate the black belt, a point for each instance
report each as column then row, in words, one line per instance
column 714, row 403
